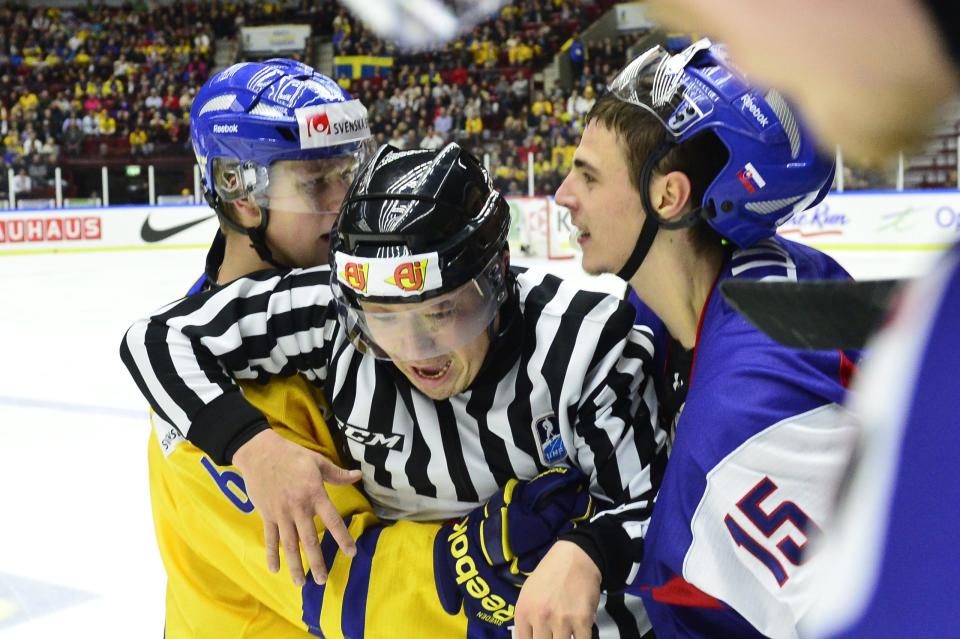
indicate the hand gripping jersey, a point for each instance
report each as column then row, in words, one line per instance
column 211, row 541
column 565, row 384
column 891, row 559
column 760, row 443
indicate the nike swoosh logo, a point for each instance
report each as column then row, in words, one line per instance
column 150, row 235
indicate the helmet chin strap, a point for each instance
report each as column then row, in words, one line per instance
column 652, row 222
column 645, row 240
column 257, row 234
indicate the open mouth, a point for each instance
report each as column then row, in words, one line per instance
column 432, row 372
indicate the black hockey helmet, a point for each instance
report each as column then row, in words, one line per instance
column 421, row 228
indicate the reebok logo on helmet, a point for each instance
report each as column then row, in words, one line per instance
column 749, row 104
column 225, row 128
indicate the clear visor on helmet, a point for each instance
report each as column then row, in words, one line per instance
column 655, row 81
column 291, row 186
column 420, row 331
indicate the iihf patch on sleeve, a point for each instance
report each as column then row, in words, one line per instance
column 547, row 434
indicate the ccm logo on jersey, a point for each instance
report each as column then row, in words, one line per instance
column 477, row 587
column 365, row 437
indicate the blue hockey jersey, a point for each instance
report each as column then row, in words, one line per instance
column 891, row 559
column 760, row 443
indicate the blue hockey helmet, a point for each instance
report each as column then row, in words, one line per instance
column 252, row 115
column 774, row 168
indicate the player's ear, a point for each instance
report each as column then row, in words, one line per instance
column 670, row 194
column 246, row 212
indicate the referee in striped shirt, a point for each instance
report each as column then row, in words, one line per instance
column 448, row 373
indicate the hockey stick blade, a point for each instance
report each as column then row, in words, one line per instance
column 815, row 315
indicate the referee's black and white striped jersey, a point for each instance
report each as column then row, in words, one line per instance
column 566, row 383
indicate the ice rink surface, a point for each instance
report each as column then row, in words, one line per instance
column 77, row 553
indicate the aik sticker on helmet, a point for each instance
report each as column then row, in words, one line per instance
column 403, row 276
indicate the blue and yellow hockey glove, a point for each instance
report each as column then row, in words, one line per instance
column 482, row 560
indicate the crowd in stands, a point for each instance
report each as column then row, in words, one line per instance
column 479, row 89
column 96, row 82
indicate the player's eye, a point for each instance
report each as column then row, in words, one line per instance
column 441, row 314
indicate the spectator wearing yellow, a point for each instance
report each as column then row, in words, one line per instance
column 473, row 124
column 541, row 106
column 484, row 52
column 31, row 56
column 589, row 97
column 562, row 155
column 506, row 170
column 106, row 123
column 520, row 54
column 11, row 142
column 138, row 141
column 430, row 76
column 183, row 48
column 82, row 58
column 560, row 112
column 509, row 12
column 28, row 101
column 111, row 86
column 81, row 88
column 406, row 76
column 541, row 166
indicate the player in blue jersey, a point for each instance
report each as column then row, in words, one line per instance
column 890, row 556
column 681, row 178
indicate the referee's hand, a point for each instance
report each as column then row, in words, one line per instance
column 285, row 483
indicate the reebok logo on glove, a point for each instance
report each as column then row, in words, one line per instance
column 476, row 586
column 482, row 560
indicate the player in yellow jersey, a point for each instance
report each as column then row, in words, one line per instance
column 278, row 145
column 208, row 531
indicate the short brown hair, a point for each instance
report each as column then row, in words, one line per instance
column 700, row 158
